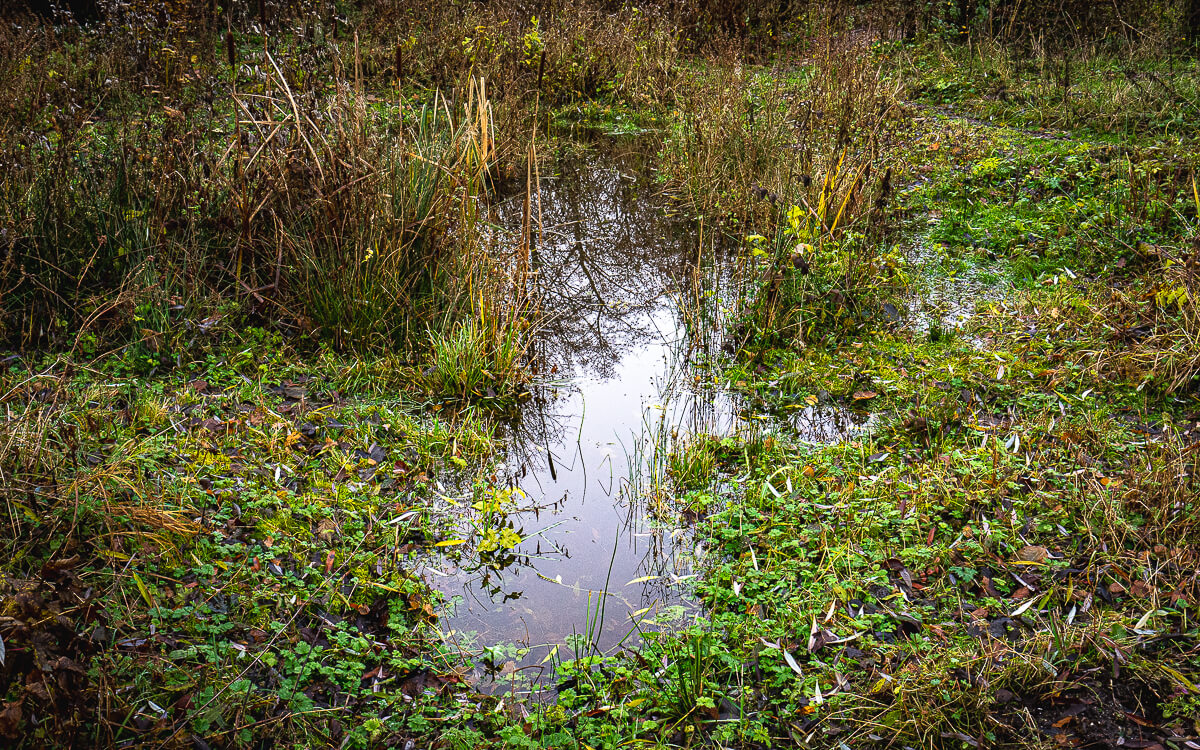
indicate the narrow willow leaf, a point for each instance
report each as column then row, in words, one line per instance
column 791, row 662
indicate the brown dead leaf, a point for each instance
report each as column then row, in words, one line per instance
column 325, row 530
column 10, row 720
column 1033, row 554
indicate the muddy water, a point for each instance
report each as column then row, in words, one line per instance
column 618, row 278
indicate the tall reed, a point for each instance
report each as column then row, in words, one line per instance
column 800, row 165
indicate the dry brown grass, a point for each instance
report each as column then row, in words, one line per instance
column 52, row 477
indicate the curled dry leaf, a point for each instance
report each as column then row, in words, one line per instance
column 1033, row 554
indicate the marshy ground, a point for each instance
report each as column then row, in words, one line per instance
column 500, row 376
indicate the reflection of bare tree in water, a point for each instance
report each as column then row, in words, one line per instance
column 606, row 256
column 631, row 299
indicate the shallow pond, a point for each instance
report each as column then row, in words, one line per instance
column 631, row 298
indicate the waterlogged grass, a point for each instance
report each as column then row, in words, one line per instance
column 1009, row 526
column 1125, row 94
column 1003, row 554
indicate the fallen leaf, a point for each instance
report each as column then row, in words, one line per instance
column 1033, row 554
column 791, row 662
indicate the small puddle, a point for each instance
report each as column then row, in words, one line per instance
column 949, row 304
column 621, row 284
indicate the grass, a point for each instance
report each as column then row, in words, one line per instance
column 467, row 362
column 799, row 166
column 249, row 538
column 1118, row 92
column 908, row 548
column 964, row 553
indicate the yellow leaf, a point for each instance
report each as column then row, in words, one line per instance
column 450, row 542
column 142, row 588
column 1182, row 680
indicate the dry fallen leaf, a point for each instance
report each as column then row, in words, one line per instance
column 1033, row 554
column 325, row 530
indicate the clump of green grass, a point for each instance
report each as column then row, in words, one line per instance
column 469, row 361
column 692, row 462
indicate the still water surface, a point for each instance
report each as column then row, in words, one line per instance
column 618, row 278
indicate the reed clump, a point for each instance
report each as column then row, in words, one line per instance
column 152, row 185
column 800, row 164
column 297, row 167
